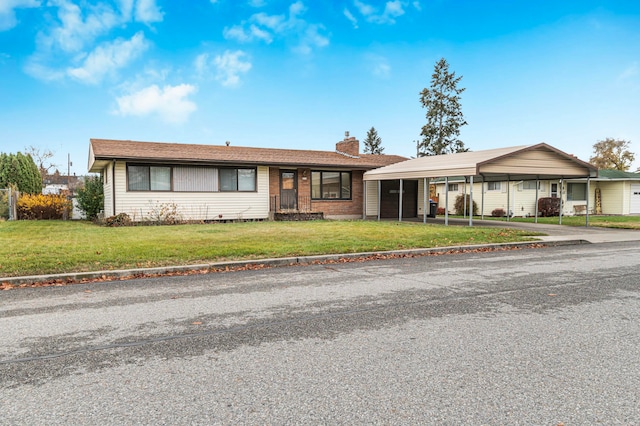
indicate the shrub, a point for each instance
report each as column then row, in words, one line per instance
column 498, row 213
column 20, row 171
column 459, row 205
column 43, row 206
column 91, row 197
column 549, row 206
column 4, row 204
column 164, row 214
column 441, row 211
column 121, row 219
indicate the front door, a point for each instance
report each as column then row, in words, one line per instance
column 288, row 190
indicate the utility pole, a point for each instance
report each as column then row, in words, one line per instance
column 69, row 164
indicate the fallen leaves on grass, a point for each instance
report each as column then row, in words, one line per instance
column 259, row 266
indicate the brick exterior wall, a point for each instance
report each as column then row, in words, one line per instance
column 344, row 208
column 330, row 208
column 349, row 146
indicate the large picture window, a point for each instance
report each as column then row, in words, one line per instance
column 190, row 179
column 330, row 185
column 576, row 192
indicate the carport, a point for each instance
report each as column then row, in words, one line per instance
column 518, row 163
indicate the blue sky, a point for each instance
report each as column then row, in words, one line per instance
column 298, row 74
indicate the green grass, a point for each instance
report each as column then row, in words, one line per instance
column 625, row 222
column 43, row 247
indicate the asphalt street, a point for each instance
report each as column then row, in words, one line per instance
column 531, row 336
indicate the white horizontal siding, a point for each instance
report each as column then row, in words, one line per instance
column 107, row 186
column 371, row 198
column 195, row 205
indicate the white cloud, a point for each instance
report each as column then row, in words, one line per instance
column 8, row 8
column 170, row 103
column 417, row 6
column 109, row 57
column 381, row 68
column 77, row 27
column 229, row 66
column 630, row 72
column 392, row 10
column 68, row 46
column 266, row 28
column 350, row 17
column 147, row 11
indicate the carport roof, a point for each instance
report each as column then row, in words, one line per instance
column 540, row 161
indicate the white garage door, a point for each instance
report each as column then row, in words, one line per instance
column 635, row 199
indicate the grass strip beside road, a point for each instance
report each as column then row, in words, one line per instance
column 621, row 222
column 46, row 247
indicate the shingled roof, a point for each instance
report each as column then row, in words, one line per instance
column 104, row 150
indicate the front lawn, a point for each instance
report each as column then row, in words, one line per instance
column 44, row 247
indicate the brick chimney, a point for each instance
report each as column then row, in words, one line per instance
column 349, row 146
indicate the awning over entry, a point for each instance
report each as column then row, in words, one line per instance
column 526, row 162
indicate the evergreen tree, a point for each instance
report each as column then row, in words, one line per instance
column 444, row 114
column 373, row 142
column 20, row 171
column 91, row 197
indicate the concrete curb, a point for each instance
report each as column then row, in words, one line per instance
column 76, row 277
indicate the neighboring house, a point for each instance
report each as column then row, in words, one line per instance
column 209, row 182
column 619, row 194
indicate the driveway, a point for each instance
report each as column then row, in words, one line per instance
column 592, row 234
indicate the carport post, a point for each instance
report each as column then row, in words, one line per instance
column 379, row 197
column 482, row 199
column 446, row 201
column 464, row 201
column 364, row 200
column 508, row 201
column 588, row 192
column 536, row 206
column 424, row 200
column 400, row 202
column 470, row 200
column 561, row 204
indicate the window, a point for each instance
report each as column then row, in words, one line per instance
column 494, row 186
column 195, row 179
column 453, row 187
column 531, row 184
column 238, row 180
column 576, row 192
column 189, row 178
column 331, row 185
column 149, row 178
